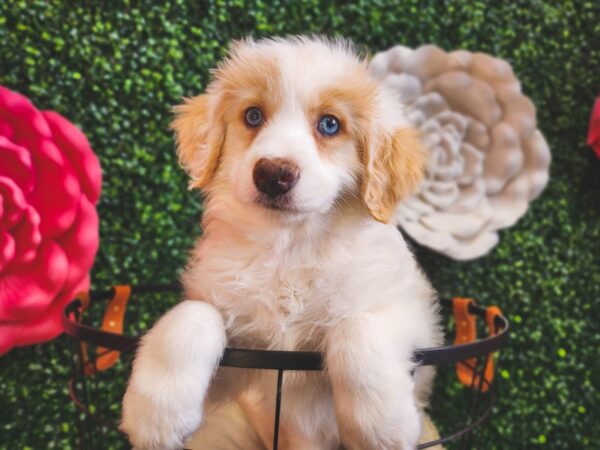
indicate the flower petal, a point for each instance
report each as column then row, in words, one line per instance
column 414, row 207
column 468, row 198
column 477, row 135
column 427, row 61
column 504, row 158
column 56, row 206
column 467, row 96
column 7, row 249
column 16, row 164
column 435, row 239
column 9, row 334
column 537, row 161
column 492, row 70
column 13, row 203
column 28, row 293
column 77, row 149
column 6, row 130
column 430, row 104
column 441, row 194
column 519, row 111
column 459, row 59
column 473, row 164
column 40, row 328
column 27, row 123
column 406, row 213
column 482, row 243
column 405, row 86
column 510, row 204
column 80, row 242
column 593, row 136
column 27, row 238
column 455, row 223
column 393, row 60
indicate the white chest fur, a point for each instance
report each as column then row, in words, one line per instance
column 285, row 295
column 271, row 298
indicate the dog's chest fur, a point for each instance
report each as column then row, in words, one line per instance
column 271, row 298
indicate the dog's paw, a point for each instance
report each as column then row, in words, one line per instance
column 378, row 432
column 171, row 373
column 379, row 420
column 152, row 426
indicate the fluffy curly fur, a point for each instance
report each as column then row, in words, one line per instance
column 320, row 270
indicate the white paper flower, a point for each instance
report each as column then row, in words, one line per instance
column 487, row 160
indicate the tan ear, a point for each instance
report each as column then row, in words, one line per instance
column 394, row 167
column 199, row 134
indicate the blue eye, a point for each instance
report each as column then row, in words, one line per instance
column 254, row 117
column 328, row 125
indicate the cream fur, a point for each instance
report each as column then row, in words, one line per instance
column 321, row 275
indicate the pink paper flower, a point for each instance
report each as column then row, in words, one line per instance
column 49, row 185
column 593, row 139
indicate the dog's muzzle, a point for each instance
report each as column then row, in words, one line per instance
column 275, row 176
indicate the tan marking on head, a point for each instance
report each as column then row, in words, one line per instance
column 393, row 168
column 200, row 132
column 351, row 100
column 246, row 78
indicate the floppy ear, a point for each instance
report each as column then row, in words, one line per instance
column 393, row 168
column 199, row 134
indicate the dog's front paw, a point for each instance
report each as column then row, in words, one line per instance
column 171, row 374
column 372, row 428
column 152, row 426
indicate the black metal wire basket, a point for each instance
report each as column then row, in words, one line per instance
column 472, row 356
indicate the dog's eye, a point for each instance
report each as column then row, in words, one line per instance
column 254, row 117
column 328, row 125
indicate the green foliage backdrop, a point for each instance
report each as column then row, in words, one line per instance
column 116, row 69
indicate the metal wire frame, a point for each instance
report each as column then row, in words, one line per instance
column 282, row 361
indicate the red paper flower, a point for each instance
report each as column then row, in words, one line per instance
column 49, row 185
column 593, row 139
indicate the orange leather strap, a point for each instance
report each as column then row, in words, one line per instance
column 84, row 298
column 490, row 317
column 112, row 322
column 466, row 331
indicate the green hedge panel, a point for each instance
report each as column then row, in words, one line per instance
column 116, row 69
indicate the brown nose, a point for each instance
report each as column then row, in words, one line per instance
column 275, row 176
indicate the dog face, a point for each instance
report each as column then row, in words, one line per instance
column 293, row 126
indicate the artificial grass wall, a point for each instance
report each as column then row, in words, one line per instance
column 116, row 69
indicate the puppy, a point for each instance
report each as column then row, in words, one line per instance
column 303, row 157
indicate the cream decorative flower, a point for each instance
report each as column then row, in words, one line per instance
column 487, row 159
